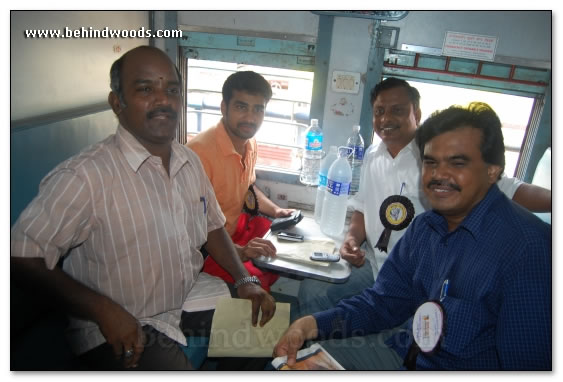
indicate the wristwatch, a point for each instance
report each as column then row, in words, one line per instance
column 246, row 280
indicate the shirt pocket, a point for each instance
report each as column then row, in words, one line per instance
column 196, row 220
column 469, row 328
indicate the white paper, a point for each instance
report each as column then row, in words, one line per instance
column 314, row 357
column 301, row 251
column 232, row 333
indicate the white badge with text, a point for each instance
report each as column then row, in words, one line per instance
column 428, row 326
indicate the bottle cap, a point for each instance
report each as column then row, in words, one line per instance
column 314, row 122
column 356, row 128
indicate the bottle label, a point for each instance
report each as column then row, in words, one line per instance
column 322, row 180
column 358, row 152
column 337, row 188
column 314, row 143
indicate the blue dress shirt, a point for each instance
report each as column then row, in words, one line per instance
column 498, row 305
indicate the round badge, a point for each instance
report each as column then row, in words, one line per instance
column 396, row 212
column 428, row 326
column 251, row 201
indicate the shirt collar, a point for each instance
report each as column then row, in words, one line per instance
column 411, row 146
column 474, row 221
column 225, row 144
column 136, row 154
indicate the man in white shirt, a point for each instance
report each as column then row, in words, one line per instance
column 391, row 167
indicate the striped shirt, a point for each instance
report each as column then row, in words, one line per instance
column 133, row 231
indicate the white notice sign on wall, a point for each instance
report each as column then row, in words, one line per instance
column 473, row 46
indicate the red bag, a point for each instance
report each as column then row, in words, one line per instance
column 248, row 227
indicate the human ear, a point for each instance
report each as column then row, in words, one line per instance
column 493, row 173
column 113, row 101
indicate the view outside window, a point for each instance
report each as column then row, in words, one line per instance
column 513, row 111
column 287, row 113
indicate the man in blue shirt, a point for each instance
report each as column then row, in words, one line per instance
column 494, row 256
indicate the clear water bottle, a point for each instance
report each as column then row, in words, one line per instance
column 312, row 154
column 327, row 161
column 336, row 196
column 356, row 143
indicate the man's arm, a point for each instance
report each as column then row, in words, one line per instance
column 121, row 330
column 350, row 249
column 221, row 248
column 534, row 198
column 267, row 207
column 56, row 220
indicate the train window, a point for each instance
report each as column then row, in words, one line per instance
column 287, row 113
column 513, row 111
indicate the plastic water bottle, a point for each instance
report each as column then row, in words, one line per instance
column 336, row 196
column 323, row 177
column 356, row 143
column 312, row 154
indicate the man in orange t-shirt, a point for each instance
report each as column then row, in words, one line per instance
column 228, row 152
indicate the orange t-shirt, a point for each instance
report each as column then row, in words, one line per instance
column 229, row 173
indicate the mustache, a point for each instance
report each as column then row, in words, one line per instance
column 445, row 183
column 162, row 110
column 247, row 124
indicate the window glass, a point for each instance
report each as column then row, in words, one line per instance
column 513, row 111
column 287, row 113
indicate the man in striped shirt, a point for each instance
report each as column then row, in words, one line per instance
column 129, row 215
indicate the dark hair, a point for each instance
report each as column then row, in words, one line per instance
column 248, row 81
column 478, row 115
column 116, row 69
column 391, row 83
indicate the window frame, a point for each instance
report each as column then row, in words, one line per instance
column 527, row 79
column 285, row 51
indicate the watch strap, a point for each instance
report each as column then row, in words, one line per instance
column 246, row 280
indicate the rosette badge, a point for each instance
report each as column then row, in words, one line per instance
column 251, row 201
column 396, row 213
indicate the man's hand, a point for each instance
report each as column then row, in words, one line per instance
column 301, row 330
column 255, row 248
column 120, row 329
column 351, row 252
column 260, row 300
column 283, row 212
column 123, row 332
